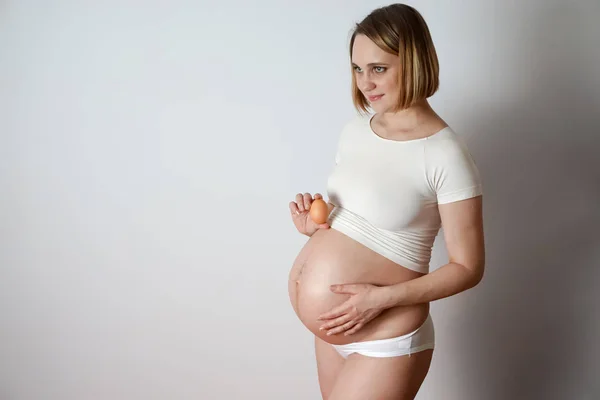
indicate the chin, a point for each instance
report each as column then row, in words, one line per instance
column 377, row 108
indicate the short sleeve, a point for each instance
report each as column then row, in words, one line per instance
column 451, row 171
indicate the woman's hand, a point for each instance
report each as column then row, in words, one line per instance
column 366, row 302
column 300, row 214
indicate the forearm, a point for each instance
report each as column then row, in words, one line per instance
column 446, row 281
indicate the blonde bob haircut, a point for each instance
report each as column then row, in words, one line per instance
column 401, row 30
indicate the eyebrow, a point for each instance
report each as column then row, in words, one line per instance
column 372, row 64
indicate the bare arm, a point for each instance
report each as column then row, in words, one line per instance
column 462, row 222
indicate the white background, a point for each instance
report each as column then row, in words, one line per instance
column 148, row 152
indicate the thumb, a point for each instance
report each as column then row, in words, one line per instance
column 330, row 207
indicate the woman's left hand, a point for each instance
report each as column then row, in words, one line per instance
column 365, row 303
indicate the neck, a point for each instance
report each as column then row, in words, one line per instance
column 407, row 119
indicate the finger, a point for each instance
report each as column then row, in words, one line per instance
column 342, row 328
column 300, row 202
column 330, row 207
column 294, row 209
column 318, row 196
column 324, row 226
column 307, row 201
column 343, row 289
column 355, row 329
column 335, row 313
column 336, row 322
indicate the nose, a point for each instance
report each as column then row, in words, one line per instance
column 365, row 83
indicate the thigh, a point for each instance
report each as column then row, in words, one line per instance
column 387, row 378
column 329, row 364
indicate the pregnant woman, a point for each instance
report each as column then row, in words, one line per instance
column 361, row 284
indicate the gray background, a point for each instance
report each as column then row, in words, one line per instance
column 148, row 152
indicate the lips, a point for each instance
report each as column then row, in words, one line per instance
column 374, row 98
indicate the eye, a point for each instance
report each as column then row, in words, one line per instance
column 377, row 69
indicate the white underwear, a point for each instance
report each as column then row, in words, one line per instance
column 422, row 338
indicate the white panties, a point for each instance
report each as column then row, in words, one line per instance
column 422, row 338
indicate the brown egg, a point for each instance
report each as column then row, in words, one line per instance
column 318, row 211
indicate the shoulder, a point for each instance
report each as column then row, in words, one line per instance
column 447, row 154
column 446, row 145
column 451, row 171
column 358, row 121
column 355, row 125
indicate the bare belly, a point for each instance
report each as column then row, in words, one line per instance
column 330, row 257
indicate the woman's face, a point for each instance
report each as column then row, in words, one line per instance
column 376, row 73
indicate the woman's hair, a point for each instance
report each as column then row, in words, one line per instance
column 401, row 30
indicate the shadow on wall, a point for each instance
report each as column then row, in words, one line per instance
column 534, row 330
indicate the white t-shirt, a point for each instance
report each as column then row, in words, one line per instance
column 386, row 192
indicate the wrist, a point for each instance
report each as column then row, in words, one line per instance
column 391, row 296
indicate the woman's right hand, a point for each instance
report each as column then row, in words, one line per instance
column 300, row 214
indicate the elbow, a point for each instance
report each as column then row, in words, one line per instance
column 478, row 275
column 475, row 275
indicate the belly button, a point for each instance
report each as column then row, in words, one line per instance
column 300, row 274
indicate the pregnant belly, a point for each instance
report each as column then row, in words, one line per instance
column 330, row 257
